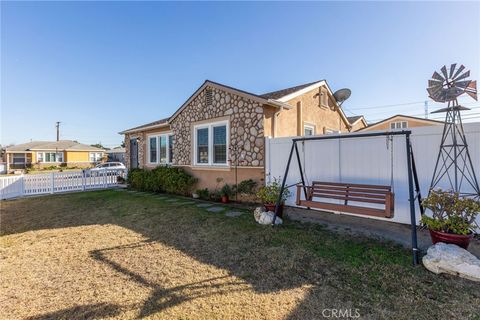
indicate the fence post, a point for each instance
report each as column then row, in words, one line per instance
column 84, row 180
column 22, row 186
column 53, row 182
column 105, row 178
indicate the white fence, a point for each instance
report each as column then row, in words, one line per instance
column 368, row 161
column 55, row 182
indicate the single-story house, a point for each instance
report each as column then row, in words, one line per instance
column 52, row 153
column 116, row 154
column 219, row 126
column 400, row 121
column 357, row 122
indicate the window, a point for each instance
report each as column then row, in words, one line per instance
column 160, row 149
column 171, row 140
column 308, row 130
column 49, row 156
column 398, row 125
column 152, row 145
column 202, row 145
column 220, row 144
column 18, row 158
column 95, row 156
column 211, row 144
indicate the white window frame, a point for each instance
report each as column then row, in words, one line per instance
column 308, row 126
column 158, row 136
column 56, row 157
column 398, row 125
column 330, row 131
column 210, row 127
column 95, row 157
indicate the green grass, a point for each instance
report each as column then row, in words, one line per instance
column 341, row 270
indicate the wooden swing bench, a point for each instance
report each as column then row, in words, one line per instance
column 359, row 193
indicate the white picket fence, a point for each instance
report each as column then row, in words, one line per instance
column 368, row 161
column 56, row 182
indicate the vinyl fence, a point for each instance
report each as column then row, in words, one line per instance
column 56, row 182
column 368, row 161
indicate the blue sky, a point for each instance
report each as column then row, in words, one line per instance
column 101, row 67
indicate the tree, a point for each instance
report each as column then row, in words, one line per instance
column 99, row 145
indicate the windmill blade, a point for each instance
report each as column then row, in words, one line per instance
column 471, row 90
column 462, row 84
column 452, row 68
column 437, row 76
column 458, row 71
column 473, row 95
column 434, row 91
column 462, row 76
column 444, row 72
column 434, row 83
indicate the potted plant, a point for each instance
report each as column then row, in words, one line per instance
column 453, row 217
column 226, row 192
column 269, row 195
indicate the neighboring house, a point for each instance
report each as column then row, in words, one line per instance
column 357, row 122
column 219, row 125
column 116, row 155
column 52, row 153
column 400, row 121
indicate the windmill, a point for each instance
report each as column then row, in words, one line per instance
column 454, row 164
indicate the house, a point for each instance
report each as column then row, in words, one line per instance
column 400, row 121
column 52, row 153
column 219, row 126
column 116, row 155
column 357, row 122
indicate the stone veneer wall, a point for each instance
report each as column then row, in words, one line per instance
column 246, row 125
column 141, row 148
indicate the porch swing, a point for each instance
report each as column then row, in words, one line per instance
column 380, row 195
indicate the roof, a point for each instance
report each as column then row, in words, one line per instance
column 61, row 145
column 354, row 119
column 403, row 116
column 281, row 93
column 155, row 124
column 116, row 150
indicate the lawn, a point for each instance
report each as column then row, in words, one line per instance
column 117, row 254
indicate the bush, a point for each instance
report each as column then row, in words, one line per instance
column 162, row 179
column 226, row 190
column 203, row 194
column 269, row 194
column 246, row 187
column 450, row 212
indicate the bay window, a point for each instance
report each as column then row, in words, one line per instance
column 211, row 143
column 160, row 149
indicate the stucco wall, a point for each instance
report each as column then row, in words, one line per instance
column 306, row 109
column 357, row 126
column 412, row 123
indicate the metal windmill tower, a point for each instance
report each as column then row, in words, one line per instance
column 454, row 164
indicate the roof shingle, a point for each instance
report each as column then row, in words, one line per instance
column 62, row 145
column 281, row 93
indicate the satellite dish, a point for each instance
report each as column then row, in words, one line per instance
column 342, row 95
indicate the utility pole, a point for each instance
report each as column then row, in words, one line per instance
column 58, row 130
column 426, row 109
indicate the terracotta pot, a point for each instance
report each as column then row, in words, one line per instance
column 224, row 199
column 271, row 207
column 460, row 240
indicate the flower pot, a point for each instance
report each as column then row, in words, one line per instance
column 459, row 239
column 271, row 207
column 224, row 199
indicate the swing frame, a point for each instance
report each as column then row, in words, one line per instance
column 411, row 169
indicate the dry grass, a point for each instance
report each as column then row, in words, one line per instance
column 113, row 254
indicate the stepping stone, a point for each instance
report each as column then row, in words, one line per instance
column 215, row 209
column 171, row 200
column 204, row 205
column 187, row 203
column 233, row 214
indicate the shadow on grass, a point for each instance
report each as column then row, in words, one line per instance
column 341, row 270
column 91, row 311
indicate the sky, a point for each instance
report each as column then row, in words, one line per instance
column 102, row 67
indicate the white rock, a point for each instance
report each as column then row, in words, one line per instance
column 264, row 217
column 449, row 258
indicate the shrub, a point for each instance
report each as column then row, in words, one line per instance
column 247, row 187
column 226, row 190
column 203, row 194
column 450, row 212
column 162, row 179
column 270, row 193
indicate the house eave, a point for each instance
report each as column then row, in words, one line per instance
column 157, row 126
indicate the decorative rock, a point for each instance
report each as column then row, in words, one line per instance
column 228, row 112
column 204, row 205
column 258, row 110
column 253, row 131
column 264, row 217
column 255, row 163
column 450, row 258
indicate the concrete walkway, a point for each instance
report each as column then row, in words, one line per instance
column 396, row 232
